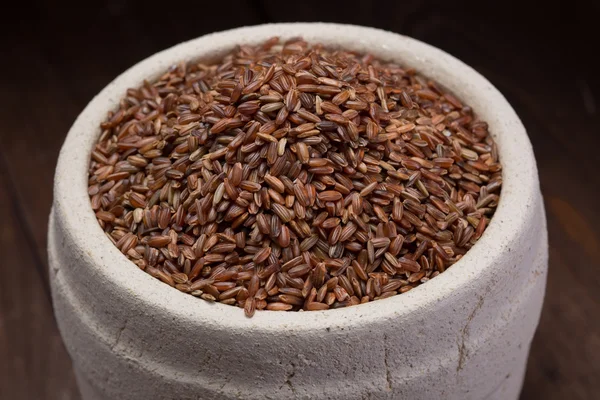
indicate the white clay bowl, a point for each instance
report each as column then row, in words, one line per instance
column 463, row 335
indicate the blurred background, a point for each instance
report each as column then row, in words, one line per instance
column 541, row 56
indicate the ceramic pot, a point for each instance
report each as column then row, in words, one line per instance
column 463, row 335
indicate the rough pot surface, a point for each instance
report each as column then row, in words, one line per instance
column 463, row 335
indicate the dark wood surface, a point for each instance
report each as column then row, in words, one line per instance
column 56, row 57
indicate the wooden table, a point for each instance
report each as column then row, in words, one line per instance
column 55, row 58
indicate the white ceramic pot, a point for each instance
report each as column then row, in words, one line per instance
column 463, row 335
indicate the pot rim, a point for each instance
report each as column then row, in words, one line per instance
column 520, row 183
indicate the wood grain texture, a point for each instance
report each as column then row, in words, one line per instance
column 34, row 362
column 537, row 55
